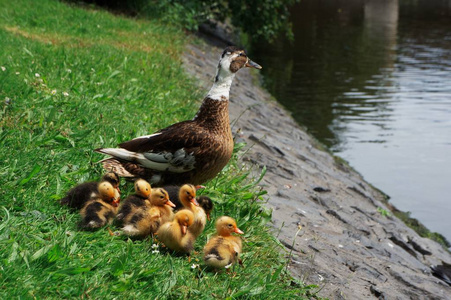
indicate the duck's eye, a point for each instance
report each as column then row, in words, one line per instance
column 242, row 54
column 161, row 197
column 230, row 225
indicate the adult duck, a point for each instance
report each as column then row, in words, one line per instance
column 190, row 151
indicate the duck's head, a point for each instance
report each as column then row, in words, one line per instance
column 206, row 203
column 185, row 218
column 142, row 188
column 107, row 192
column 160, row 197
column 232, row 60
column 187, row 194
column 226, row 225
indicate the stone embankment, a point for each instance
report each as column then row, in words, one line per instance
column 324, row 212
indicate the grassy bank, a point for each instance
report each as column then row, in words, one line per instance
column 72, row 80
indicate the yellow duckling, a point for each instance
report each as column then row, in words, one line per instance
column 187, row 196
column 145, row 220
column 162, row 209
column 175, row 235
column 223, row 250
column 100, row 211
column 135, row 202
column 174, row 190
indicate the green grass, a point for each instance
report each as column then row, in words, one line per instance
column 72, row 80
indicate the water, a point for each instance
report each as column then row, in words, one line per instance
column 372, row 81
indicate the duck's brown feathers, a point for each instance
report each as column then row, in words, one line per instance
column 207, row 137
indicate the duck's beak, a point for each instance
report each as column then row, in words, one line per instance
column 170, row 203
column 208, row 216
column 184, row 229
column 237, row 230
column 252, row 64
column 198, row 187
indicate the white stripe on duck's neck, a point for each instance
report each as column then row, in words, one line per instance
column 223, row 81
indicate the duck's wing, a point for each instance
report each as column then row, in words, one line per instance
column 173, row 149
column 180, row 135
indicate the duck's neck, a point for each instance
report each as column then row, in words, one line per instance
column 215, row 106
column 221, row 87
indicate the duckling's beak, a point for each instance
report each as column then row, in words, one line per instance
column 115, row 202
column 170, row 203
column 198, row 187
column 208, row 216
column 194, row 201
column 237, row 230
column 184, row 229
column 252, row 64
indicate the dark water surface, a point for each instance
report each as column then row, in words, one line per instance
column 372, row 80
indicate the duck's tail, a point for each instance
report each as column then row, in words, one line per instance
column 112, row 164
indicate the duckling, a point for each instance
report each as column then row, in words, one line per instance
column 223, row 250
column 187, row 196
column 174, row 190
column 190, row 151
column 176, row 235
column 99, row 211
column 145, row 221
column 206, row 203
column 77, row 197
column 161, row 210
column 137, row 201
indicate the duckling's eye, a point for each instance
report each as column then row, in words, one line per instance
column 161, row 197
column 230, row 225
column 242, row 54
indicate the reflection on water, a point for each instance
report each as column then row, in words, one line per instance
column 372, row 80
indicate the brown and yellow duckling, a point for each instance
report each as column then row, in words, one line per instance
column 224, row 249
column 138, row 201
column 176, row 235
column 187, row 196
column 147, row 220
column 100, row 211
column 77, row 197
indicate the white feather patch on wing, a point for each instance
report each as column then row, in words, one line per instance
column 177, row 162
column 147, row 136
